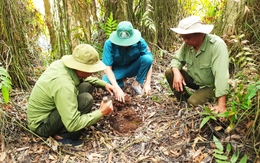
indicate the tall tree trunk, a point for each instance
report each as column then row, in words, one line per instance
column 49, row 22
column 18, row 38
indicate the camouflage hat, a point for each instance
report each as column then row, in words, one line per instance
column 84, row 58
column 125, row 35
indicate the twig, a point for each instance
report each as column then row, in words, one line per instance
column 7, row 63
column 164, row 51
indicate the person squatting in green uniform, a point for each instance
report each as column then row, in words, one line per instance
column 60, row 103
column 205, row 57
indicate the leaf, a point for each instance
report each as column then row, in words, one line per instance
column 2, row 156
column 244, row 159
column 225, row 114
column 217, row 143
column 3, row 72
column 220, row 161
column 212, row 117
column 239, row 54
column 5, row 79
column 234, row 157
column 228, row 148
column 207, row 109
column 5, row 94
column 204, row 121
column 218, row 151
column 221, row 157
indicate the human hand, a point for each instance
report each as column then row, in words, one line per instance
column 110, row 89
column 147, row 89
column 119, row 94
column 178, row 82
column 219, row 108
column 106, row 107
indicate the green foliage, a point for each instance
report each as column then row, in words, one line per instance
column 110, row 25
column 147, row 20
column 222, row 155
column 209, row 115
column 241, row 101
column 5, row 84
column 241, row 55
column 209, row 10
column 245, row 95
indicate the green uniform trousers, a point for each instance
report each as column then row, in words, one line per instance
column 53, row 124
column 199, row 97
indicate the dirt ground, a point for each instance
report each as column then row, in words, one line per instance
column 146, row 129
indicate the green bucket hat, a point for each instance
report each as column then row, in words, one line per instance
column 84, row 58
column 125, row 35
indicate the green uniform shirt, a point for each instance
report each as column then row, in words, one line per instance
column 207, row 67
column 57, row 88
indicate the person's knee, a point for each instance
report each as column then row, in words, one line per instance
column 87, row 97
column 169, row 75
column 85, row 102
column 168, row 72
column 193, row 102
column 148, row 60
column 196, row 101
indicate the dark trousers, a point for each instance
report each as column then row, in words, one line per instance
column 53, row 124
column 199, row 97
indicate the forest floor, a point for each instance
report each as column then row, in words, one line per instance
column 154, row 128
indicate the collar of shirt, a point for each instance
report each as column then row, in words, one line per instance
column 74, row 76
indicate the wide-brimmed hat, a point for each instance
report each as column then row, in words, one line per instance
column 84, row 58
column 192, row 24
column 125, row 35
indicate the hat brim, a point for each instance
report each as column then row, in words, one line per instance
column 125, row 42
column 70, row 62
column 203, row 29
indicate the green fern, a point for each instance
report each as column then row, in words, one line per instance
column 146, row 17
column 110, row 25
column 5, row 84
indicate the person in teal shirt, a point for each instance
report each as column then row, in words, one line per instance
column 126, row 54
column 60, row 103
column 201, row 64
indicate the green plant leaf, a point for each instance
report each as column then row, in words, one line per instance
column 3, row 72
column 218, row 151
column 225, row 114
column 234, row 157
column 220, row 161
column 239, row 54
column 207, row 109
column 5, row 94
column 213, row 117
column 204, row 121
column 221, row 157
column 217, row 143
column 244, row 159
column 229, row 148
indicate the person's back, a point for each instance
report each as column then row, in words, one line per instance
column 44, row 95
column 60, row 103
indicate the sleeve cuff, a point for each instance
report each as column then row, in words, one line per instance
column 102, row 83
column 97, row 114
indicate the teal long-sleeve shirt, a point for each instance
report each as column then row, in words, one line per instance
column 57, row 88
column 207, row 67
